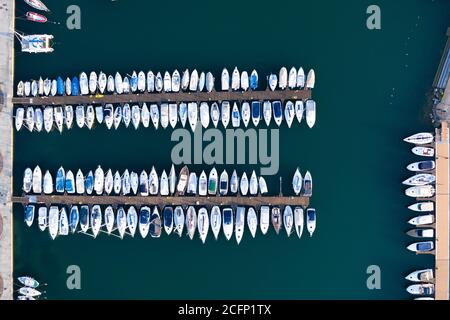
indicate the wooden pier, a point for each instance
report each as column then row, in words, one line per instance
column 175, row 97
column 161, row 201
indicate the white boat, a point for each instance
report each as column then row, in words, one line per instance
column 109, row 182
column 240, row 224
column 90, row 116
column 213, row 182
column 42, row 218
column 133, row 82
column 192, row 184
column 84, row 85
column 164, row 184
column 27, row 88
column 423, row 151
column 311, row 79
column 48, row 119
column 420, row 179
column 204, row 114
column 47, row 86
column 298, row 221
column 422, row 206
column 244, row 81
column 225, row 113
column 176, row 81
column 193, row 82
column 297, row 182
column 252, row 221
column 289, row 113
column 41, row 86
column 273, row 81
column 420, row 191
column 225, row 80
column 117, row 184
column 153, row 182
column 421, row 233
column 256, row 112
column 234, row 182
column 99, row 180
column 235, row 80
column 118, row 83
column 191, row 221
column 288, row 220
column 59, row 118
column 216, row 221
column 154, row 115
column 29, row 214
column 421, row 166
column 93, row 82
column 150, row 81
column 223, row 183
column 201, row 81
column 235, row 116
column 121, row 222
column 134, row 182
column 253, row 186
column 310, row 113
column 264, row 218
column 173, row 114
column 132, row 220
column 126, row 183
column 178, row 220
column 167, row 82
column 299, row 109
column 63, row 223
column 19, row 91
column 425, row 275
column 277, row 220
column 108, row 115
column 183, row 113
column 27, row 180
column 96, row 220
column 164, row 115
column 283, row 78
column 159, row 82
column 144, row 221
column 192, row 115
column 203, row 184
column 29, row 119
column 110, row 85
column 38, row 119
column 79, row 182
column 48, row 183
column 422, row 220
column 209, row 82
column 420, row 138
column 53, row 221
column 37, row 180
column 68, row 116
column 145, row 115
column 29, row 292
column 215, row 114
column 126, row 114
column 421, row 289
column 244, row 184
column 20, row 115
column 292, row 78
column 203, row 224
column 277, row 112
column 84, row 219
column 227, row 222
column 267, row 112
column 141, row 81
column 300, row 78
column 102, row 82
column 79, row 116
column 28, row 282
column 185, row 80
column 54, row 89
column 34, row 88
column 307, row 184
column 262, row 185
column 135, row 116
column 172, row 180
column 311, row 220
column 143, row 183
column 183, row 180
column 245, row 113
column 168, row 219
column 109, row 219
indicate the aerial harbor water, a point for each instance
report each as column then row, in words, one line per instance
column 371, row 92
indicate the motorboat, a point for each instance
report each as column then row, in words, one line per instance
column 108, row 115
column 29, row 119
column 182, row 181
column 42, row 218
column 60, row 180
column 185, row 80
column 96, row 220
column 68, row 116
column 84, row 84
column 167, row 82
column 212, row 182
column 109, row 182
column 79, row 116
column 235, row 116
column 264, row 219
column 28, row 282
column 421, row 166
column 132, row 220
column 203, row 184
column 254, row 80
column 311, row 220
column 216, row 221
column 192, row 184
column 297, row 182
column 223, row 183
column 79, row 182
column 204, row 114
column 84, row 218
column 126, row 114
column 34, row 88
column 29, row 215
column 102, row 82
column 134, row 182
column 426, row 191
column 54, row 89
column 276, row 219
column 134, row 82
column 422, row 220
column 41, row 86
column 38, row 5
column 215, row 114
column 47, row 86
column 74, row 219
column 172, row 180
column 53, row 221
column 193, row 82
column 154, row 115
column 178, row 219
column 234, row 182
column 245, row 113
column 150, row 81
column 227, row 222
column 110, row 84
column 253, row 186
column 203, row 224
column 168, row 219
column 425, row 275
column 135, row 116
column 164, row 115
column 235, row 80
column 420, row 179
column 240, row 224
column 99, row 180
column 425, row 289
column 209, row 82
column 118, row 83
column 89, row 183
column 256, row 112
column 37, row 180
column 141, row 81
column 153, row 182
column 93, row 81
column 244, row 81
column 300, row 78
column 277, row 112
column 126, row 183
column 164, row 184
column 117, row 184
column 70, row 182
column 288, row 219
column 63, row 222
column 310, row 111
column 192, row 115
column 292, row 78
column 27, row 180
column 183, row 113
column 90, row 116
column 298, row 221
column 27, row 291
column 421, row 233
column 159, row 84
column 289, row 113
column 173, row 114
column 48, row 119
column 252, row 221
column 201, row 81
column 225, row 113
column 144, row 221
column 48, row 183
column 117, row 118
column 191, row 221
column 420, row 138
column 155, row 224
column 59, row 118
column 143, row 183
column 225, row 80
column 311, row 79
column 27, row 88
column 20, row 87
column 307, row 184
column 121, row 221
column 243, row 186
column 20, row 115
column 176, row 81
column 267, row 112
column 262, row 185
column 273, row 81
column 422, row 206
column 283, row 78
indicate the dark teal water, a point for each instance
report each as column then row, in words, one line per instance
column 371, row 88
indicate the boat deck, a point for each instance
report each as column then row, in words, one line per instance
column 175, row 97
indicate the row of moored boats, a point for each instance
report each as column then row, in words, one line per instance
column 29, row 288
column 140, row 82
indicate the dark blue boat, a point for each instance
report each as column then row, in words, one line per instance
column 256, row 112
column 75, row 86
column 277, row 112
column 155, row 224
column 74, row 218
column 29, row 215
column 168, row 219
column 84, row 218
column 60, row 86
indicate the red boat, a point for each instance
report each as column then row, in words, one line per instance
column 36, row 17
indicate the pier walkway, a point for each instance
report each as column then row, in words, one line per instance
column 6, row 93
column 175, row 97
column 162, row 201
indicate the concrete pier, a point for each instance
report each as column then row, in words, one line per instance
column 7, row 10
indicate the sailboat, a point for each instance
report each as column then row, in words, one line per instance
column 84, row 218
column 183, row 113
column 178, row 218
column 79, row 116
column 234, row 182
column 134, row 82
column 63, row 223
column 192, row 184
column 289, row 113
column 153, row 182
column 310, row 113
column 141, row 81
column 254, row 80
column 109, row 182
column 19, row 118
column 126, row 85
column 420, row 179
column 263, row 185
column 182, row 181
column 173, row 114
column 37, row 4
column 176, row 81
column 253, row 187
column 244, row 184
column 193, row 83
column 155, row 223
column 225, row 114
column 240, row 224
column 203, row 224
column 96, row 220
column 110, row 84
column 59, row 118
column 299, row 110
column 204, row 114
column 118, row 83
column 74, row 219
column 37, row 180
column 297, row 182
column 93, row 81
column 117, row 118
column 283, row 78
column 292, row 78
column 108, row 115
column 29, row 119
column 42, row 218
column 121, row 221
column 143, row 183
column 126, row 183
column 117, row 184
column 227, row 222
column 288, row 219
column 244, row 81
column 298, row 221
column 246, row 113
column 48, row 183
column 252, row 221
column 420, row 138
column 135, row 116
column 99, row 180
column 150, row 81
column 209, row 82
column 201, row 81
column 235, row 80
column 276, row 219
column 134, row 182
column 203, row 184
column 102, row 82
column 154, row 115
column 223, row 183
column 164, row 184
column 215, row 114
column 185, row 80
column 216, row 221
column 164, row 115
column 212, row 182
column 90, row 116
column 273, row 81
column 168, row 219
column 89, row 183
column 172, row 180
column 53, row 221
column 68, row 116
column 132, row 220
column 167, row 82
column 235, row 116
column 225, row 80
column 84, row 84
column 191, row 221
column 126, row 114
column 192, row 115
column 144, row 221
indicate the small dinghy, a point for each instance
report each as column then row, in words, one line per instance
column 53, row 221
column 48, row 183
column 273, row 81
column 145, row 115
column 173, row 114
column 191, row 222
column 29, row 119
column 117, row 184
column 263, row 186
column 144, row 221
column 118, row 83
column 68, row 116
column 244, row 81
column 421, row 166
column 110, row 85
column 20, row 115
column 420, row 138
column 153, row 182
column 102, row 82
column 154, row 115
column 288, row 220
column 243, row 186
column 223, row 183
column 227, row 222
column 276, row 219
column 63, row 223
column 134, row 182
column 298, row 221
column 216, row 221
column 425, row 275
column 141, row 81
column 117, row 117
column 168, row 219
column 203, row 184
column 421, row 233
column 252, row 221
column 192, row 184
column 209, row 82
column 193, row 83
column 29, row 215
column 225, row 80
column 48, row 119
column 192, row 115
column 37, row 180
column 256, row 112
column 185, row 80
column 90, row 116
column 132, row 220
column 89, row 183
column 176, row 81
column 99, row 180
column 240, row 224
column 70, row 182
column 84, row 219
column 143, row 183
column 423, row 151
column 155, row 224
column 201, row 81
column 183, row 180
column 60, row 180
column 215, row 114
column 235, row 116
column 164, row 184
column 203, row 224
column 283, row 78
column 311, row 220
column 297, row 182
column 264, row 222
column 126, row 115
column 253, row 187
column 42, row 218
column 27, row 180
column 212, row 182
column 311, row 79
column 235, row 80
column 135, row 116
column 108, row 115
column 121, row 222
column 167, row 82
column 74, row 219
column 277, row 112
column 234, row 182
column 178, row 218
column 204, row 114
column 150, row 81
column 422, row 220
column 225, row 113
column 96, row 220
column 133, row 82
column 426, row 191
column 245, row 113
column 289, row 113
column 93, row 80
column 422, row 206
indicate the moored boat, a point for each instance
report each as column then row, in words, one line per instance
column 422, row 206
column 422, row 220
column 203, row 224
column 421, row 166
column 227, row 222
column 191, row 221
column 96, row 220
column 168, row 219
column 310, row 113
column 178, row 218
column 288, row 219
column 420, row 138
column 239, row 224
column 144, row 221
column 216, row 221
column 426, row 191
column 252, row 221
column 264, row 219
column 425, row 275
column 311, row 220
column 276, row 219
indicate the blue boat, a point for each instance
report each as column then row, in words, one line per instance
column 74, row 218
column 256, row 112
column 29, row 215
column 60, row 89
column 133, row 81
column 168, row 219
column 227, row 216
column 70, row 182
column 84, row 218
column 277, row 112
column 254, row 80
column 60, row 180
column 75, row 86
column 144, row 221
column 89, row 183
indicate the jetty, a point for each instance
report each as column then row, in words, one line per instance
column 161, row 201
column 7, row 26
column 170, row 97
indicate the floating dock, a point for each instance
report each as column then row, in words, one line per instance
column 162, row 201
column 7, row 10
column 175, row 97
